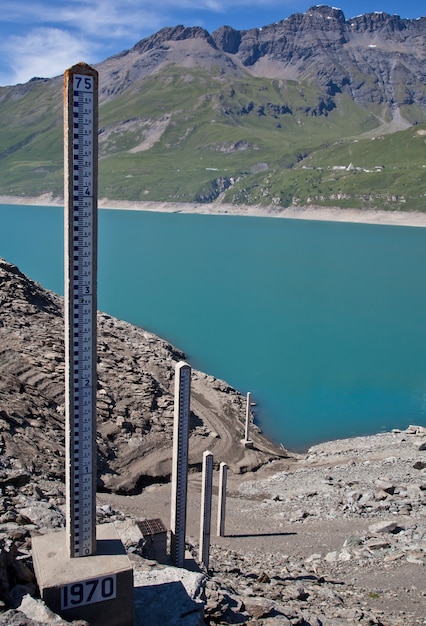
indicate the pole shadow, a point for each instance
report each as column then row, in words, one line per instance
column 259, row 535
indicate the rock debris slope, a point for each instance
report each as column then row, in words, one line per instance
column 336, row 537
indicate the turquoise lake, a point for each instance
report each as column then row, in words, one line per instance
column 324, row 323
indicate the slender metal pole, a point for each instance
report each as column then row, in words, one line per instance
column 248, row 415
column 180, row 462
column 81, row 183
column 221, row 510
column 206, row 507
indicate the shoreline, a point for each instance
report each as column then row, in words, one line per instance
column 415, row 219
column 328, row 214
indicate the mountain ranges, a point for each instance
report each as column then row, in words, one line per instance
column 315, row 109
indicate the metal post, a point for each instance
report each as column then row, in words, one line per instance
column 221, row 510
column 206, row 508
column 81, row 182
column 248, row 414
column 180, row 462
column 247, row 441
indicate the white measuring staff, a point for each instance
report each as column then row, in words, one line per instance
column 206, row 507
column 180, row 462
column 81, row 161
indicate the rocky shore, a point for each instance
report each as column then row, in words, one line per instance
column 135, row 396
column 310, row 212
column 333, row 537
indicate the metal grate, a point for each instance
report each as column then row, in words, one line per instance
column 151, row 526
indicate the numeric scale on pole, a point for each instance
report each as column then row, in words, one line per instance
column 81, row 137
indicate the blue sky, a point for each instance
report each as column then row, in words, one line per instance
column 45, row 37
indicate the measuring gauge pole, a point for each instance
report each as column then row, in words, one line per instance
column 180, row 462
column 81, row 177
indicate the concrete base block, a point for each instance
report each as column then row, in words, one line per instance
column 247, row 443
column 98, row 588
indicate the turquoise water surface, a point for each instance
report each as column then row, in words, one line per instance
column 323, row 322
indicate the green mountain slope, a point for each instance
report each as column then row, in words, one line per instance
column 31, row 139
column 189, row 134
column 383, row 171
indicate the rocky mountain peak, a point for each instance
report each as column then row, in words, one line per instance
column 325, row 14
column 381, row 19
column 173, row 33
column 375, row 59
column 227, row 39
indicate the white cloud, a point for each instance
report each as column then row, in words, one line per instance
column 110, row 18
column 85, row 15
column 44, row 37
column 43, row 52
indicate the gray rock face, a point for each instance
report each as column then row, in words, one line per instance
column 374, row 58
column 368, row 57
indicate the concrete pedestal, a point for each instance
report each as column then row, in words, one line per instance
column 98, row 588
